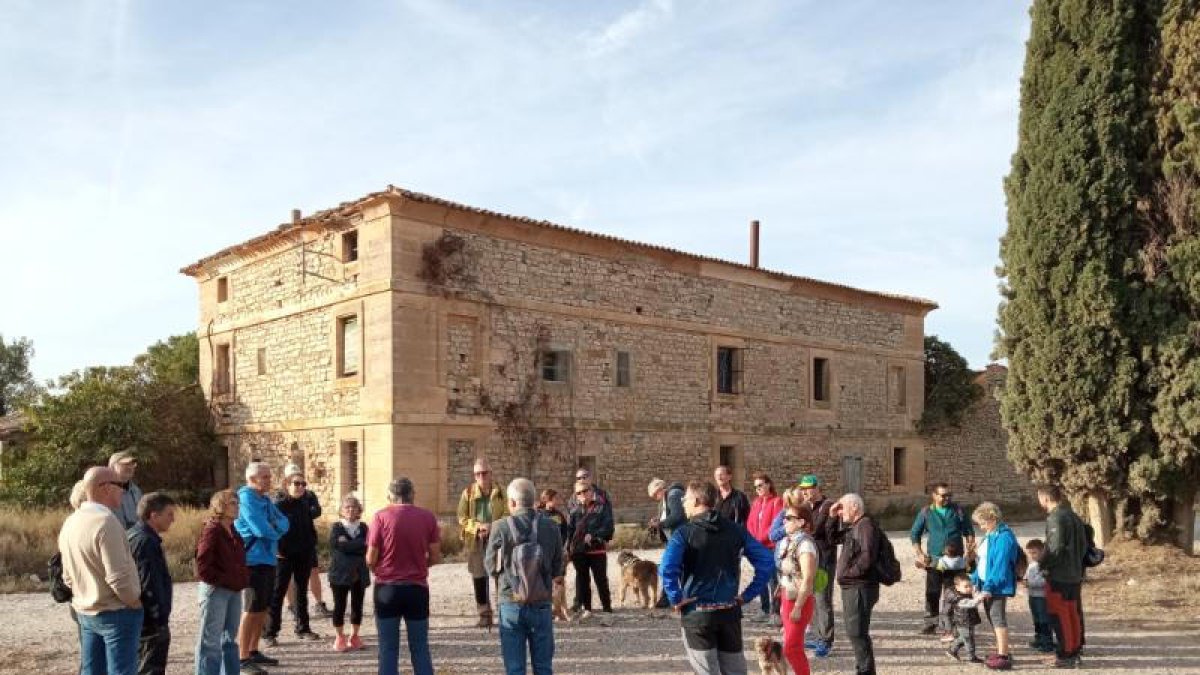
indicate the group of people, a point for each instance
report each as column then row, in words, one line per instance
column 257, row 543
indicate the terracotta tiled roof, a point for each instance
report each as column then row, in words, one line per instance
column 346, row 209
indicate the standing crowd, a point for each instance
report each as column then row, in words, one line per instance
column 258, row 550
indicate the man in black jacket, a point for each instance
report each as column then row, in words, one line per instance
column 297, row 557
column 1062, row 565
column 856, row 577
column 156, row 513
column 731, row 502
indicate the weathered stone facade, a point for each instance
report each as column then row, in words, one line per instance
column 972, row 457
column 403, row 335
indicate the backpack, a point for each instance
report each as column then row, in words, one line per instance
column 886, row 566
column 1021, row 564
column 526, row 563
column 1092, row 556
column 59, row 590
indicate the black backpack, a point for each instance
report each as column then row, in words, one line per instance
column 887, row 567
column 59, row 590
column 1093, row 555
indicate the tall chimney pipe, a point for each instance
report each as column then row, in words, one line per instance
column 754, row 244
column 295, row 216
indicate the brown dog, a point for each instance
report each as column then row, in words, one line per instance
column 641, row 576
column 559, row 598
column 770, row 656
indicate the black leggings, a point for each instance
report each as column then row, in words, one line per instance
column 356, row 593
column 596, row 567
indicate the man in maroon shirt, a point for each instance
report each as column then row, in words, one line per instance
column 402, row 542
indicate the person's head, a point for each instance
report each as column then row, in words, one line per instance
column 1034, row 549
column 549, row 499
column 77, row 496
column 258, row 477
column 224, row 505
column 793, row 496
column 584, row 492
column 853, row 507
column 124, row 463
column 583, row 474
column 810, row 488
column 700, row 497
column 940, row 494
column 483, row 474
column 521, row 494
column 723, row 476
column 1049, row 496
column 987, row 516
column 157, row 510
column 962, row 584
column 103, row 486
column 351, row 508
column 401, row 491
column 952, row 549
column 798, row 519
column 657, row 489
column 763, row 485
column 295, row 485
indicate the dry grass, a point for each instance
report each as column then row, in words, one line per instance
column 1136, row 580
column 633, row 537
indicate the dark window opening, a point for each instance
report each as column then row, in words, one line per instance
column 729, row 370
column 899, row 462
column 727, row 454
column 821, row 379
column 623, row 374
column 222, row 289
column 348, row 346
column 221, row 370
column 350, row 466
column 262, row 360
column 350, row 246
column 556, row 366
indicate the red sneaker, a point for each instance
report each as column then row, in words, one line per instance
column 356, row 642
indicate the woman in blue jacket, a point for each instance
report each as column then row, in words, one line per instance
column 995, row 577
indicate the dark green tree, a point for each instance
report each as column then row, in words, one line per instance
column 1073, row 405
column 950, row 387
column 16, row 382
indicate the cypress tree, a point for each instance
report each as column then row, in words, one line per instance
column 1073, row 402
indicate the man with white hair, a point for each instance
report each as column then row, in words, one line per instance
column 856, row 577
column 125, row 464
column 481, row 504
column 103, row 577
column 261, row 525
column 525, row 551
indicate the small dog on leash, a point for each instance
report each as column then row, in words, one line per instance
column 770, row 656
column 641, row 576
column 559, row 599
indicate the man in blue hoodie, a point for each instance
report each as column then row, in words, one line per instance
column 261, row 525
column 700, row 571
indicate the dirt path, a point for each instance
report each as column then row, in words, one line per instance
column 37, row 636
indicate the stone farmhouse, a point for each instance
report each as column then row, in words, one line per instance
column 403, row 334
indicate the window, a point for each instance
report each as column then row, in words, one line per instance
column 852, row 474
column 220, row 468
column 729, row 370
column 350, row 246
column 222, row 378
column 898, row 466
column 556, row 366
column 350, row 466
column 588, row 462
column 222, row 289
column 623, row 374
column 820, row 380
column 261, row 360
column 726, row 455
column 348, row 346
column 898, row 388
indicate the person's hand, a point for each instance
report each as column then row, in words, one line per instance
column 587, row 539
column 739, row 600
column 653, row 522
column 684, row 603
column 482, row 530
column 796, row 614
column 836, row 509
column 984, row 595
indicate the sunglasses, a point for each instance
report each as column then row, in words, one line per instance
column 759, row 486
column 300, row 483
column 582, row 492
column 946, row 495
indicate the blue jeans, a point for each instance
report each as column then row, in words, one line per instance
column 108, row 642
column 522, row 625
column 220, row 615
column 409, row 602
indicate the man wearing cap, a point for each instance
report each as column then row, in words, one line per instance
column 944, row 522
column 670, row 515
column 402, row 542
column 481, row 504
column 825, row 535
column 125, row 464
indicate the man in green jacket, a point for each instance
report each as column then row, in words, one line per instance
column 481, row 504
column 1062, row 565
column 944, row 522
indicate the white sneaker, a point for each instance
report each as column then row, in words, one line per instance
column 585, row 615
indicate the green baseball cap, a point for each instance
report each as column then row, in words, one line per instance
column 809, row 481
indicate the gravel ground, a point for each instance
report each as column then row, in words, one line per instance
column 38, row 637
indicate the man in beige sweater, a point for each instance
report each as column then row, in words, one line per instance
column 103, row 578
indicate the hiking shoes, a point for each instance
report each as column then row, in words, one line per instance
column 308, row 635
column 998, row 662
column 262, row 659
column 821, row 651
column 249, row 667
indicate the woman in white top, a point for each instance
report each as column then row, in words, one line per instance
column 796, row 559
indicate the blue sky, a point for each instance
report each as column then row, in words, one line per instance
column 870, row 139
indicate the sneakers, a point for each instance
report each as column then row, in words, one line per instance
column 947, row 637
column 974, row 659
column 262, row 659
column 928, row 630
column 811, row 643
column 270, row 641
column 822, row 649
column 308, row 635
column 249, row 667
column 1068, row 663
column 321, row 610
column 953, row 654
column 356, row 642
column 998, row 662
column 341, row 644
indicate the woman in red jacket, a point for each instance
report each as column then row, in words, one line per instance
column 767, row 504
column 221, row 570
